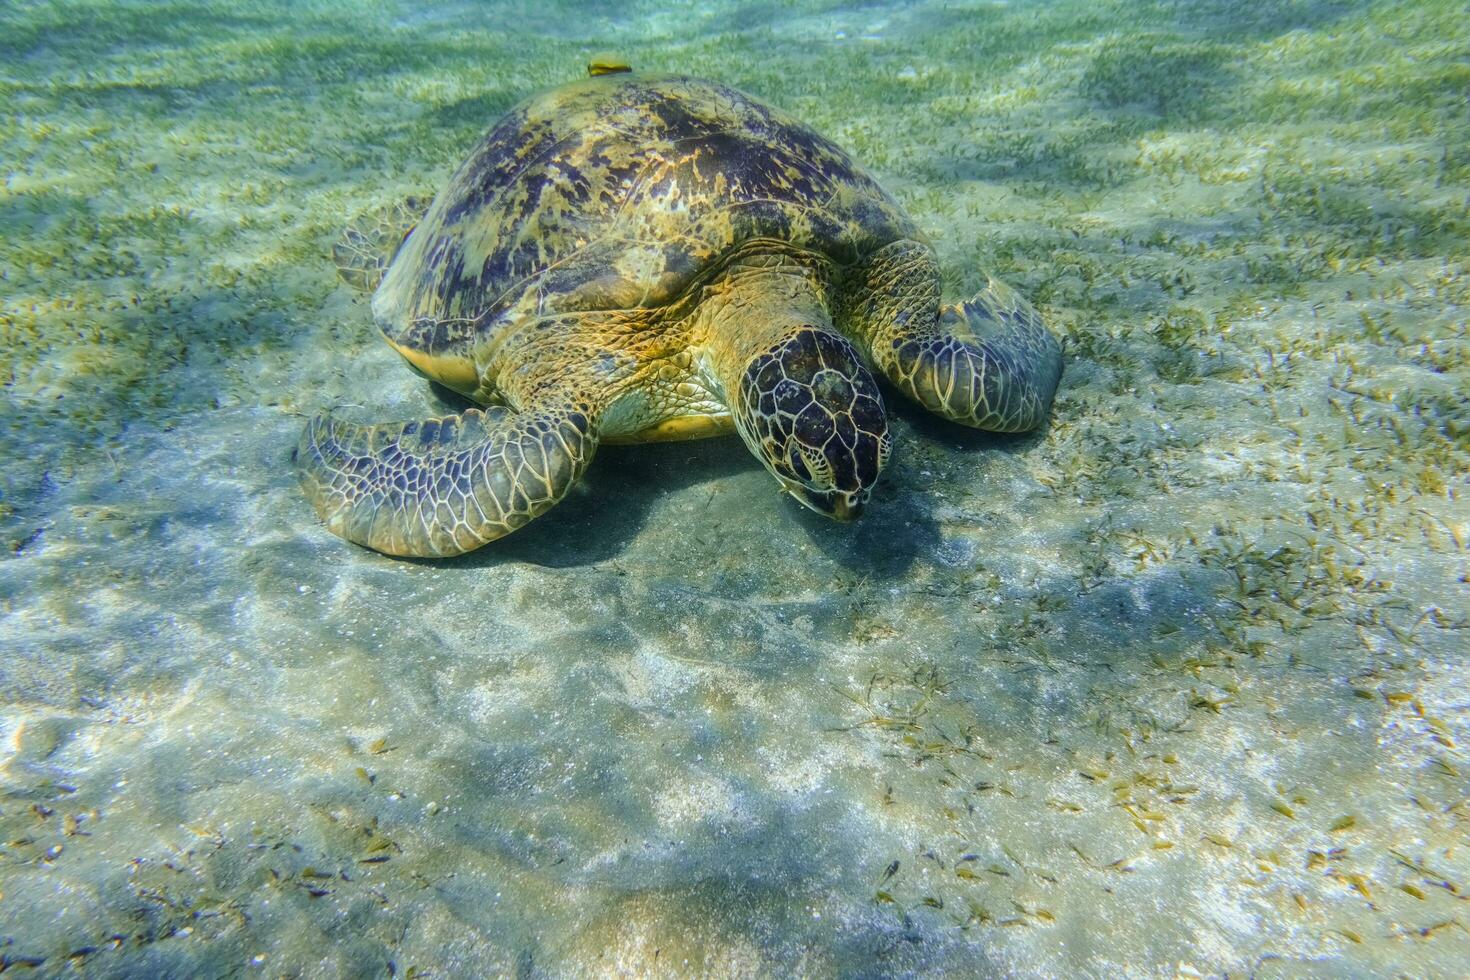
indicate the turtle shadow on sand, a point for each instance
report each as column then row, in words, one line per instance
column 607, row 509
column 883, row 545
column 601, row 519
column 900, row 527
column 602, row 516
column 611, row 506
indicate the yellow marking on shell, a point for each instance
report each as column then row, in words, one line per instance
column 682, row 429
column 449, row 370
column 607, row 63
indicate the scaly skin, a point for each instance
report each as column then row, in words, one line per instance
column 989, row 363
column 444, row 486
column 799, row 392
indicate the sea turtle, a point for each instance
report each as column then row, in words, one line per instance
column 631, row 258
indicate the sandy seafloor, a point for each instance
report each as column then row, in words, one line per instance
column 1177, row 686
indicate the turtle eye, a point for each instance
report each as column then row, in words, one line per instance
column 798, row 465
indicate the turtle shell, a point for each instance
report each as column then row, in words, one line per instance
column 617, row 192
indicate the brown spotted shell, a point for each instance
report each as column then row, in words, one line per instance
column 617, row 192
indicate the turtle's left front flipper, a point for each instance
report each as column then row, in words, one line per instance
column 366, row 247
column 444, row 486
column 989, row 362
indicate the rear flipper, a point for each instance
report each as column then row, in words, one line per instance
column 442, row 486
column 367, row 246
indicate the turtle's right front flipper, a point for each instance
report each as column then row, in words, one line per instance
column 443, row 486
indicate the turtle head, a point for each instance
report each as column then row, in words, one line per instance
column 811, row 412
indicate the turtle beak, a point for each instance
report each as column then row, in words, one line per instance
column 847, row 507
column 836, row 504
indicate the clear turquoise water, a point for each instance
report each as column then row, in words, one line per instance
column 1175, row 687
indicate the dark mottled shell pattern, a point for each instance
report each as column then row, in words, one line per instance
column 619, row 192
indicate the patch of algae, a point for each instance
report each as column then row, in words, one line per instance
column 1176, row 686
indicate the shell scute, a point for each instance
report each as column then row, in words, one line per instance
column 615, row 193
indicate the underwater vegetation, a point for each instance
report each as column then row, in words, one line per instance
column 1176, row 685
